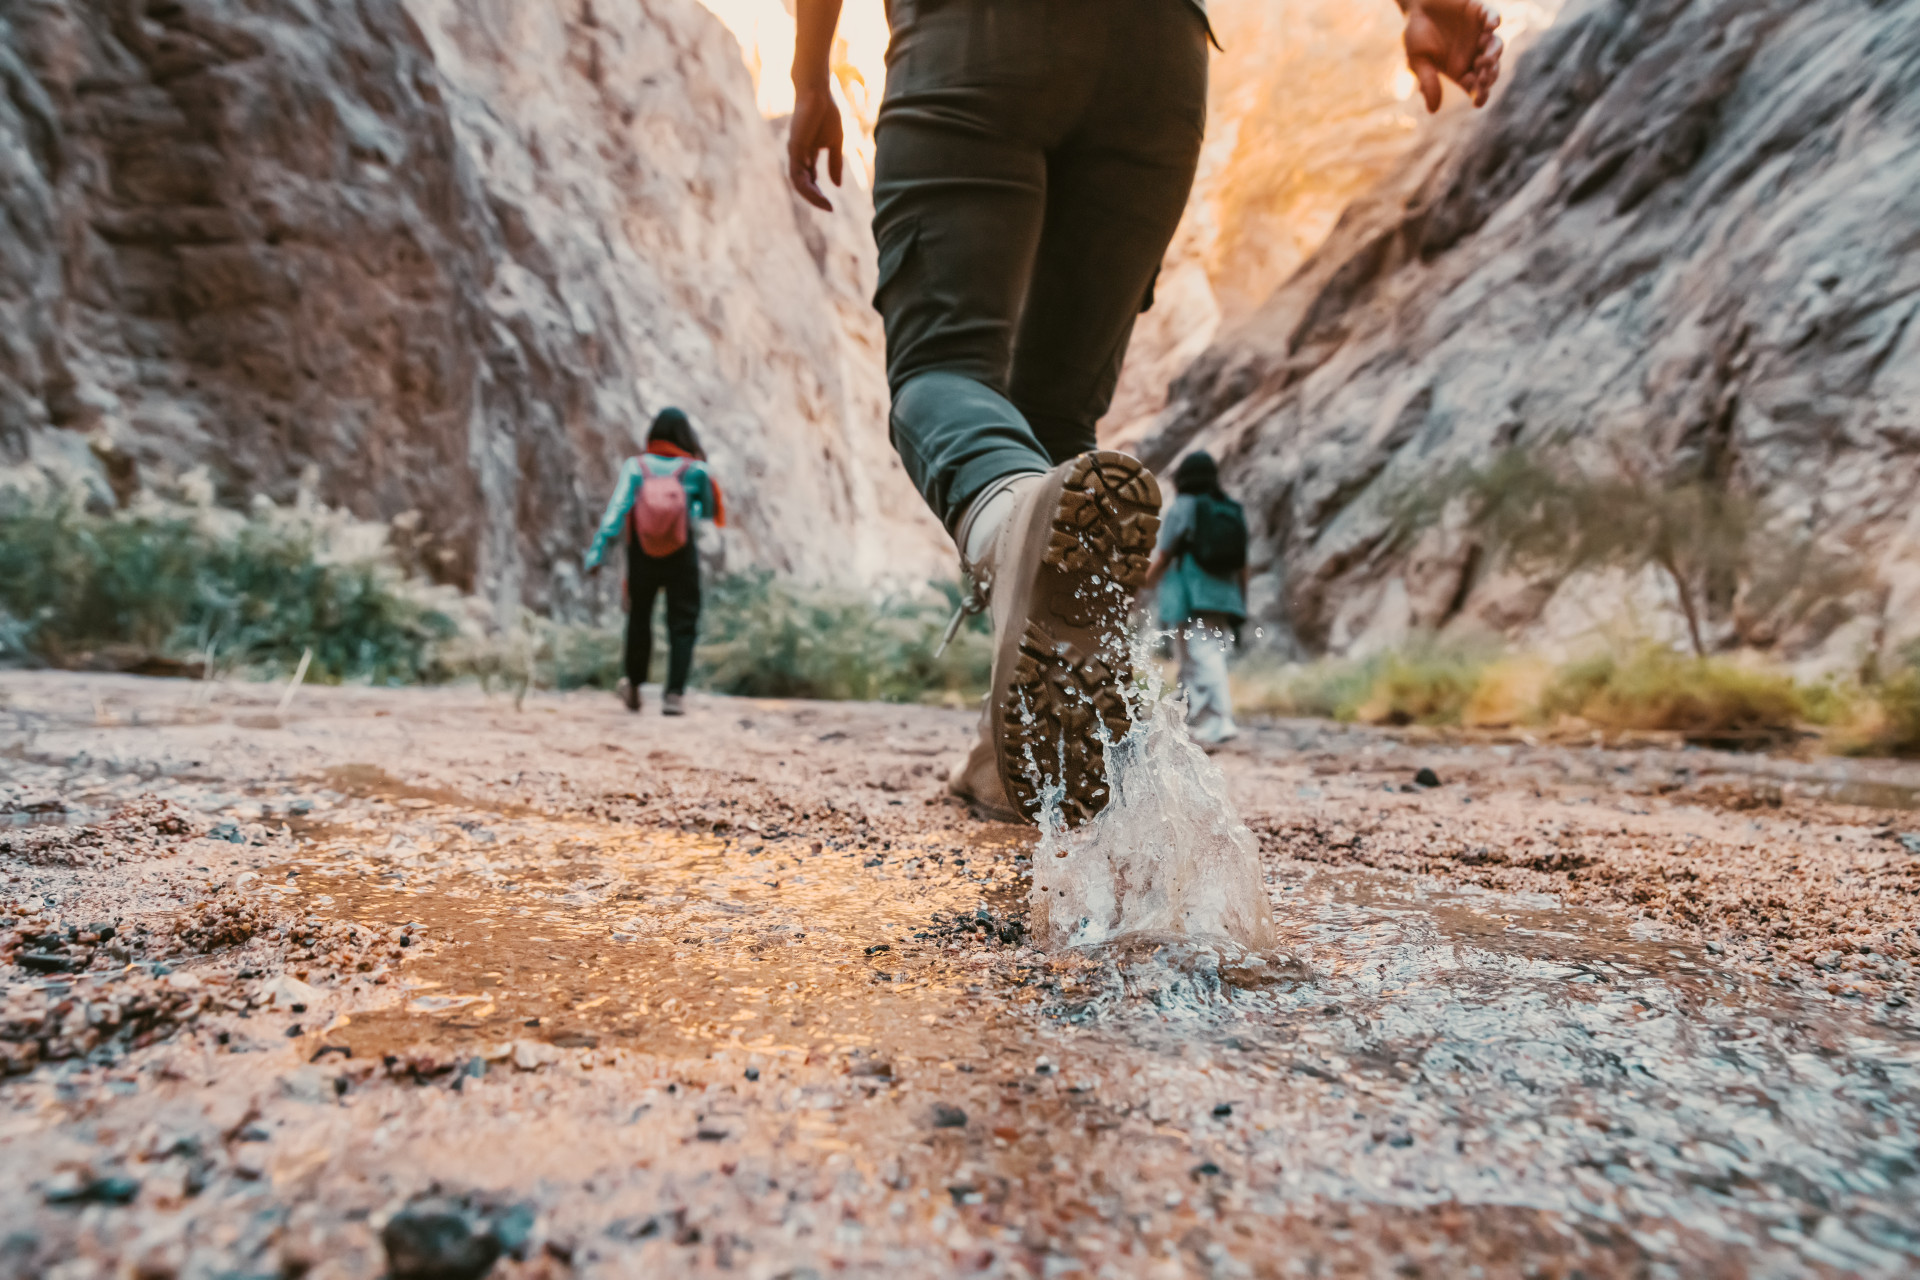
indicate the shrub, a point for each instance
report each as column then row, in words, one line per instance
column 1657, row 689
column 1327, row 689
column 766, row 638
column 1885, row 719
column 1427, row 683
column 173, row 583
column 1426, row 687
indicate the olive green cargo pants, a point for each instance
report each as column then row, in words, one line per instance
column 1034, row 158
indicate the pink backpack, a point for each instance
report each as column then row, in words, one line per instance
column 660, row 512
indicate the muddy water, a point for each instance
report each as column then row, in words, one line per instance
column 664, row 943
column 1447, row 1049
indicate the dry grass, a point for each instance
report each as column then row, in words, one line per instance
column 1721, row 700
column 1884, row 722
column 1657, row 689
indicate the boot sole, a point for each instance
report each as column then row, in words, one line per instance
column 1064, row 679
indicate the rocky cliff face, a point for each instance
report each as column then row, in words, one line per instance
column 440, row 258
column 1689, row 232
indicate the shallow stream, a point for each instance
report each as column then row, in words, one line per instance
column 1444, row 1049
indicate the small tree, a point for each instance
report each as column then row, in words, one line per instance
column 1710, row 543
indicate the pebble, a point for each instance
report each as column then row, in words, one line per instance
column 1427, row 778
column 81, row 1187
column 448, row 1238
column 531, row 1055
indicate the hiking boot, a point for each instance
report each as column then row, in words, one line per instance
column 629, row 693
column 1063, row 571
column 977, row 780
column 673, row 704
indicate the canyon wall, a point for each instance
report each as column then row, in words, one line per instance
column 1686, row 232
column 437, row 262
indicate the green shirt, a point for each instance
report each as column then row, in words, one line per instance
column 1188, row 590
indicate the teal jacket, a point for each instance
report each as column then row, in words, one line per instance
column 703, row 496
column 1187, row 590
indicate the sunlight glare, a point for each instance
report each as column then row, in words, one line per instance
column 764, row 29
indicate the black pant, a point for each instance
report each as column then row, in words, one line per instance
column 1034, row 159
column 679, row 576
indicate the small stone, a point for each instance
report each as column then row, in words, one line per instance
column 1427, row 778
column 948, row 1116
column 289, row 992
column 1222, row 1110
column 81, row 1187
column 439, row 1238
column 531, row 1055
column 753, row 1073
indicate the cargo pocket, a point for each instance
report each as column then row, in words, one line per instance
column 897, row 246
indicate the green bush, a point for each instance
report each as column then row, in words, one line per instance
column 1427, row 686
column 1658, row 689
column 766, row 638
column 1426, row 683
column 1885, row 719
column 167, row 585
column 1328, row 689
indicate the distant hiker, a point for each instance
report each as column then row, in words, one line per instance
column 1033, row 158
column 655, row 501
column 1200, row 567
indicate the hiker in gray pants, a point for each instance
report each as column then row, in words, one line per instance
column 1033, row 160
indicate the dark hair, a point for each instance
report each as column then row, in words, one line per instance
column 670, row 426
column 1197, row 473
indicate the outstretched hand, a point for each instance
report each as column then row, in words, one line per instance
column 1455, row 39
column 816, row 128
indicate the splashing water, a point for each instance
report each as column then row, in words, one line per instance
column 1168, row 857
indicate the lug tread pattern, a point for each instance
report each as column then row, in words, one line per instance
column 1062, row 692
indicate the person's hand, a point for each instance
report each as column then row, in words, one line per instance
column 1455, row 39
column 816, row 128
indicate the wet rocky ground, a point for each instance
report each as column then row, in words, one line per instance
column 412, row 982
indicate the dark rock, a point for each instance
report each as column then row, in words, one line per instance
column 947, row 1116
column 46, row 962
column 227, row 831
column 438, row 1237
column 84, row 1188
column 753, row 1073
column 1207, row 1170
column 288, row 228
column 1222, row 1109
column 1427, row 778
column 1616, row 208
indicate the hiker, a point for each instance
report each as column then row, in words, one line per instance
column 655, row 501
column 1033, row 158
column 1200, row 568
